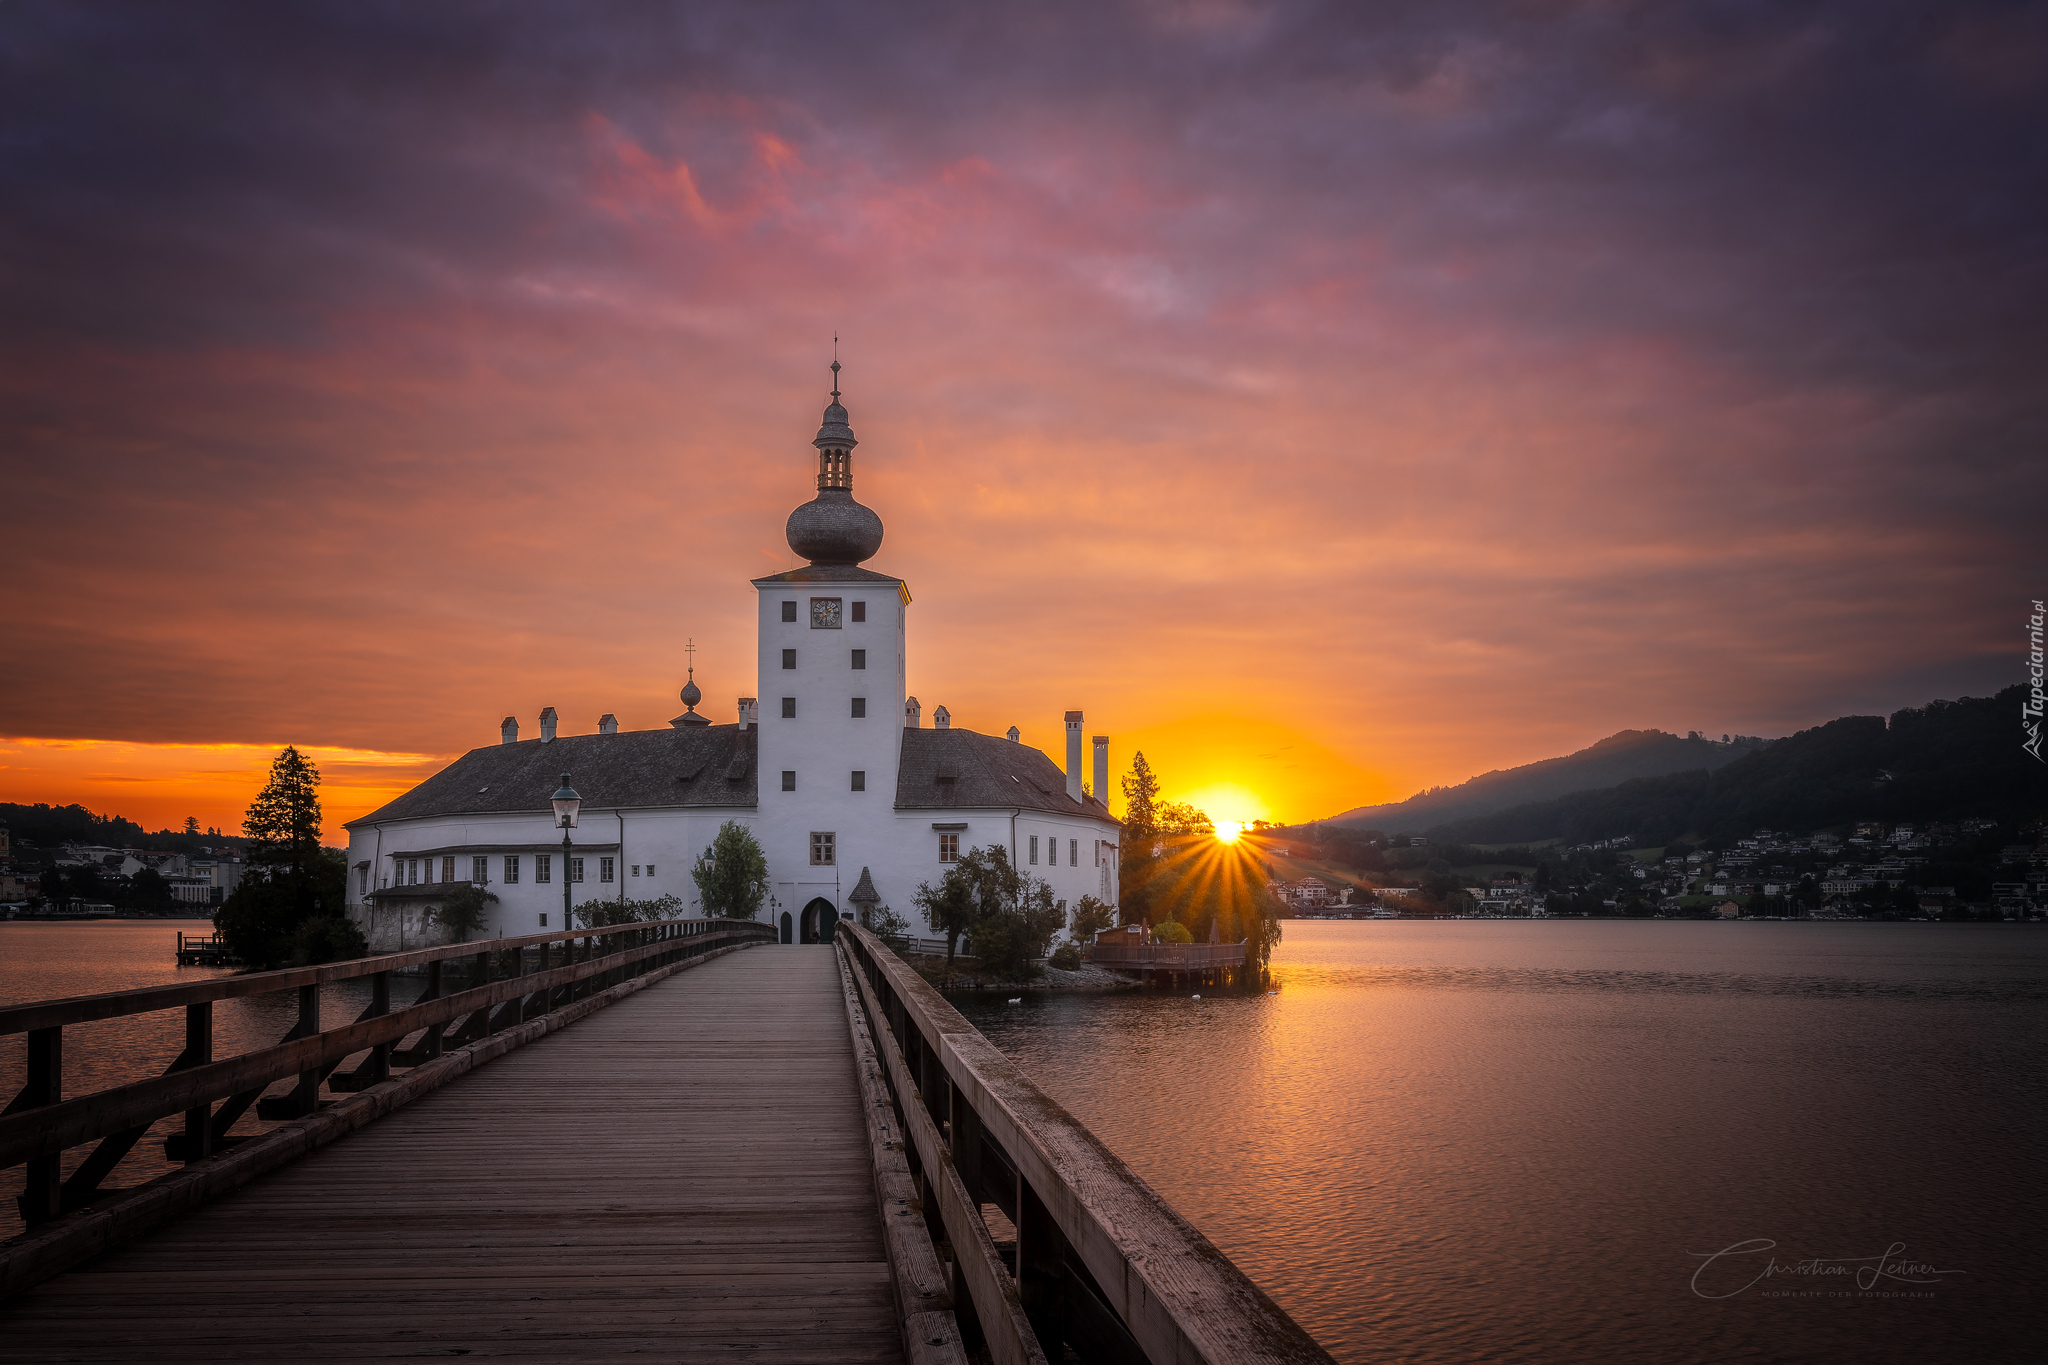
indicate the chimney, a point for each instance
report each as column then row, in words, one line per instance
column 1013, row 735
column 912, row 714
column 1102, row 770
column 547, row 725
column 607, row 724
column 508, row 730
column 1073, row 755
column 942, row 719
column 750, row 713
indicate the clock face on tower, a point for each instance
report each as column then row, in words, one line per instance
column 824, row 613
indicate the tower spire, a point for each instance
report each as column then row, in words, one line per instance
column 835, row 367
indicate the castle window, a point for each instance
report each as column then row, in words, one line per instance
column 860, row 780
column 575, row 869
column 1034, row 850
column 636, row 869
column 860, row 658
column 823, row 852
column 650, row 869
column 860, row 611
column 479, row 870
column 789, row 611
column 789, row 708
column 789, row 658
column 604, row 869
column 824, row 613
column 448, row 869
column 511, row 870
column 412, row 871
column 789, row 779
column 1073, row 853
column 860, row 708
column 949, row 848
column 543, row 867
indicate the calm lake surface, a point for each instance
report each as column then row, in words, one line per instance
column 1500, row 1141
column 1491, row 1140
column 51, row 961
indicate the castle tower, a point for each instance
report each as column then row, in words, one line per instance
column 831, row 671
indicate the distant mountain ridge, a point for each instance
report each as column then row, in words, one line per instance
column 1621, row 757
column 1944, row 760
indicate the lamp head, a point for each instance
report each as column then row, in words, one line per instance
column 567, row 805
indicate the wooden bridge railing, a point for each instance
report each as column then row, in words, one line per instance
column 1100, row 1262
column 504, row 982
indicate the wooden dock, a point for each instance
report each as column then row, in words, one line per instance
column 682, row 1176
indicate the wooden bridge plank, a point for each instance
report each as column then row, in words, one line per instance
column 685, row 1174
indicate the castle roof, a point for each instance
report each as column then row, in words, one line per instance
column 711, row 766
column 953, row 768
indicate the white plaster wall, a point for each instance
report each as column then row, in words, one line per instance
column 669, row 838
column 824, row 744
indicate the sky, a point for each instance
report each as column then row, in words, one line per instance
column 1331, row 401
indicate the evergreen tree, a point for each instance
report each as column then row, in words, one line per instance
column 732, row 876
column 291, row 879
column 1141, row 796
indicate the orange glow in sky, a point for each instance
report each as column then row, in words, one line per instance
column 1327, row 429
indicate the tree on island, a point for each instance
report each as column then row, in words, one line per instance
column 1091, row 917
column 732, row 876
column 1009, row 914
column 1173, row 868
column 291, row 879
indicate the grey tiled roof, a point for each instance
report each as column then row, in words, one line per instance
column 828, row 573
column 715, row 766
column 983, row 770
column 711, row 766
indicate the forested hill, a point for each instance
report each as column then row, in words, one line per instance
column 1945, row 760
column 46, row 826
column 1618, row 758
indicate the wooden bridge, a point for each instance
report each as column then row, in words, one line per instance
column 687, row 1142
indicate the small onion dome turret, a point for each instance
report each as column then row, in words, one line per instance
column 691, row 695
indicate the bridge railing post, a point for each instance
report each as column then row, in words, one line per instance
column 480, row 975
column 199, row 1047
column 42, row 1198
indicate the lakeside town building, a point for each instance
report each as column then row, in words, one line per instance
column 853, row 800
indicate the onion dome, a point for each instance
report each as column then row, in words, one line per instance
column 691, row 695
column 832, row 528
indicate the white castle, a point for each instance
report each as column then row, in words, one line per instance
column 852, row 807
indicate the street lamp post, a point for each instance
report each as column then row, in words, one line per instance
column 567, row 804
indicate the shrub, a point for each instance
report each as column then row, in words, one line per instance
column 1067, row 957
column 1173, row 931
column 466, row 910
column 327, row 938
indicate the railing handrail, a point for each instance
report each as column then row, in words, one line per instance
column 1178, row 1296
column 42, row 1130
column 80, row 1009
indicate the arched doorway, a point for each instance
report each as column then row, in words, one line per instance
column 819, row 918
column 786, row 938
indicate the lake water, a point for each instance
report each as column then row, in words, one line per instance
column 51, row 961
column 1491, row 1140
column 1500, row 1141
